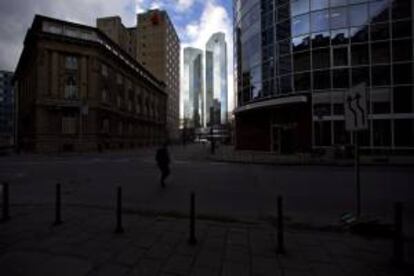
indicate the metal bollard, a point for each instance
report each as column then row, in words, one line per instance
column 192, row 240
column 398, row 257
column 119, row 229
column 280, row 227
column 6, row 202
column 58, row 217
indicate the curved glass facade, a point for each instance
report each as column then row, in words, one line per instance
column 322, row 48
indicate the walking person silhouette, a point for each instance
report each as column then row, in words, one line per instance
column 163, row 161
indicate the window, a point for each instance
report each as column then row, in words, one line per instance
column 380, row 32
column 401, row 9
column 360, row 75
column 402, row 50
column 71, row 88
column 319, row 4
column 335, row 3
column 404, row 132
column 301, row 61
column 300, row 43
column 339, row 18
column 286, row 84
column 359, row 35
column 302, row 82
column 299, row 7
column 381, row 75
column 403, row 99
column 341, row 78
column 321, row 79
column 403, row 73
column 360, row 54
column 380, row 52
column 319, row 21
column 340, row 56
column 321, row 58
column 358, row 15
column 381, row 101
column 382, row 133
column 401, row 29
column 71, row 63
column 320, row 39
column 379, row 11
column 300, row 25
column 340, row 36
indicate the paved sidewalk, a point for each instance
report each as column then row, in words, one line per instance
column 226, row 153
column 86, row 245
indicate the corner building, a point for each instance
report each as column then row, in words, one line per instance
column 77, row 90
column 295, row 60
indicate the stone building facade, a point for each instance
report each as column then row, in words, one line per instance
column 80, row 91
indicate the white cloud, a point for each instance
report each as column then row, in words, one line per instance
column 214, row 18
column 183, row 5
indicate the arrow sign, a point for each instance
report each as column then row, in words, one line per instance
column 356, row 108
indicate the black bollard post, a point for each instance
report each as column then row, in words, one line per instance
column 192, row 240
column 58, row 217
column 6, row 202
column 119, row 229
column 280, row 227
column 398, row 258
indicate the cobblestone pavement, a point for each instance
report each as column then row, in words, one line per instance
column 85, row 244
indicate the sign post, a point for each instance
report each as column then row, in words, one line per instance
column 356, row 120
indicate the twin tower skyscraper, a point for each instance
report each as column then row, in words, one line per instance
column 205, row 89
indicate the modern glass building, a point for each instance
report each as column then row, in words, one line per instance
column 295, row 60
column 216, row 80
column 193, row 88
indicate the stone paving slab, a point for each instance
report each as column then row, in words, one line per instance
column 85, row 244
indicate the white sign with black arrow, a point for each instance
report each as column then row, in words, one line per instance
column 356, row 108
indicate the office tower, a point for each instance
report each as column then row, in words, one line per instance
column 216, row 80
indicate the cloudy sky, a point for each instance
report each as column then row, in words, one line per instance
column 195, row 21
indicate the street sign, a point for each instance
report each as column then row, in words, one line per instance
column 356, row 108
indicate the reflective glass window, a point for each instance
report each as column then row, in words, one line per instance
column 380, row 52
column 251, row 17
column 403, row 73
column 300, row 43
column 256, row 89
column 302, row 81
column 340, row 36
column 286, row 84
column 404, row 132
column 360, row 75
column 283, row 30
column 360, row 54
column 401, row 29
column 319, row 4
column 336, row 3
column 300, row 25
column 268, row 70
column 381, row 100
column 403, row 99
column 323, row 133
column 340, row 78
column 340, row 56
column 301, row 61
column 401, row 9
column 341, row 136
column 380, row 75
column 320, row 21
column 321, row 79
column 321, row 58
column 284, row 47
column 299, row 7
column 285, row 65
column 402, row 50
column 337, row 99
column 382, row 133
column 358, row 15
column 339, row 18
column 283, row 12
column 357, row 1
column 267, row 37
column 267, row 19
column 380, row 31
column 359, row 34
column 320, row 39
column 379, row 11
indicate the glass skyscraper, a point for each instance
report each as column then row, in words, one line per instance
column 193, row 88
column 295, row 60
column 216, row 80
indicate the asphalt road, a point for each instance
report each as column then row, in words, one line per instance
column 314, row 195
